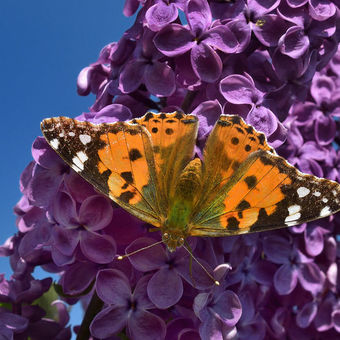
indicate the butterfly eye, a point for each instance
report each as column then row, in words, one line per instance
column 181, row 240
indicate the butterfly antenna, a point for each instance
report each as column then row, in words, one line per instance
column 217, row 283
column 121, row 257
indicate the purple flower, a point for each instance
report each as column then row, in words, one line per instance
column 294, row 266
column 126, row 308
column 79, row 224
column 201, row 39
column 219, row 312
column 165, row 287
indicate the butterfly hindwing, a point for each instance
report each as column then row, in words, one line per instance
column 116, row 158
column 264, row 193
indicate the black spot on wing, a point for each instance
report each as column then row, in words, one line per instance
column 134, row 154
column 243, row 205
column 223, row 123
column 126, row 196
column 247, row 148
column 251, row 181
column 233, row 223
column 240, row 130
column 236, row 120
column 127, row 175
column 154, row 130
column 148, row 116
column 261, row 138
column 250, row 130
column 235, row 140
column 169, row 131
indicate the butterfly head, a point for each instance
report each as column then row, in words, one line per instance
column 173, row 240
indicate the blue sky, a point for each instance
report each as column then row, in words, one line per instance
column 44, row 46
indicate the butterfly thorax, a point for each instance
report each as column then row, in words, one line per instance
column 176, row 226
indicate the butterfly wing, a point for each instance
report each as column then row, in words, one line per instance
column 173, row 137
column 263, row 192
column 117, row 159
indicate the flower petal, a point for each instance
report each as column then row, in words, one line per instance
column 198, row 15
column 143, row 325
column 311, row 277
column 206, row 63
column 160, row 14
column 109, row 278
column 165, row 288
column 159, row 79
column 221, row 38
column 96, row 212
column 108, row 322
column 132, row 76
column 285, row 279
column 97, row 248
column 307, row 314
column 174, row 40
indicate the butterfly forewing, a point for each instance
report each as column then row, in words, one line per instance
column 173, row 137
column 117, row 159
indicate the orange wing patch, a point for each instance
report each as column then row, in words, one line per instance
column 173, row 137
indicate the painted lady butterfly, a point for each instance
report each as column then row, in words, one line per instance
column 146, row 166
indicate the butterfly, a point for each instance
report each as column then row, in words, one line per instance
column 146, row 166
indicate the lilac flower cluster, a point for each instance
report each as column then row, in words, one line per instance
column 276, row 64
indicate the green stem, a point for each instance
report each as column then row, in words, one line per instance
column 189, row 98
column 93, row 308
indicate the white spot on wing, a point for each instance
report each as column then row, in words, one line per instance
column 324, row 200
column 302, row 192
column 78, row 164
column 54, row 143
column 293, row 217
column 75, row 168
column 82, row 156
column 85, row 139
column 61, row 134
column 294, row 209
column 71, row 134
column 317, row 193
column 326, row 211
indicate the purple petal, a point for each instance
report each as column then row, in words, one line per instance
column 174, row 40
column 206, row 63
column 148, row 259
column 130, row 7
column 325, row 130
column 294, row 43
column 312, row 150
column 165, row 288
column 45, row 156
column 97, row 248
column 285, row 279
column 269, row 30
column 175, row 326
column 242, row 32
column 262, row 119
column 160, row 14
column 13, row 321
column 112, row 113
column 228, row 308
column 262, row 7
column 109, row 321
column 64, row 210
column 95, row 213
column 314, row 240
column 321, row 10
column 144, row 325
column 307, row 314
column 311, row 278
column 43, row 186
column 77, row 187
column 108, row 278
column 159, row 79
column 65, row 240
column 238, row 89
column 322, row 88
column 140, row 294
column 132, row 76
column 198, row 16
column 207, row 112
column 336, row 320
column 279, row 136
column 78, row 277
column 323, row 319
column 221, row 38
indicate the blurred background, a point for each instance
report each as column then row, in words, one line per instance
column 45, row 44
